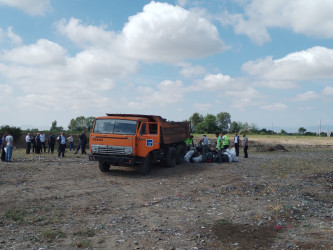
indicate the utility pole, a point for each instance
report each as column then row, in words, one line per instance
column 319, row 129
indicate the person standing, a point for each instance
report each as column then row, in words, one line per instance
column 225, row 141
column 42, row 141
column 33, row 143
column 189, row 142
column 71, row 143
column 83, row 140
column 245, row 144
column 38, row 144
column 62, row 144
column 9, row 147
column 3, row 145
column 236, row 141
column 219, row 146
column 51, row 142
column 28, row 143
column 204, row 141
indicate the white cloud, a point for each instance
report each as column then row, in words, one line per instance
column 236, row 92
column 275, row 107
column 166, row 92
column 328, row 91
column 312, row 18
column 311, row 64
column 276, row 84
column 307, row 96
column 167, row 33
column 189, row 71
column 216, row 82
column 16, row 39
column 31, row 7
column 43, row 53
column 86, row 36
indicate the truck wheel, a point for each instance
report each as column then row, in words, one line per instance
column 172, row 157
column 181, row 151
column 145, row 167
column 103, row 166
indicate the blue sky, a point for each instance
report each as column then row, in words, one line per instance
column 264, row 62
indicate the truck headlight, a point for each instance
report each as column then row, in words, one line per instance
column 128, row 151
column 94, row 149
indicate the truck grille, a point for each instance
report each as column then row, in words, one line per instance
column 111, row 150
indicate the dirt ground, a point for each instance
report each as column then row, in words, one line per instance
column 272, row 200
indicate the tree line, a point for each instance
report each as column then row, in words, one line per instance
column 211, row 124
column 208, row 124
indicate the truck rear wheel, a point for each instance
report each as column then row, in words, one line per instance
column 181, row 151
column 172, row 157
column 103, row 166
column 145, row 167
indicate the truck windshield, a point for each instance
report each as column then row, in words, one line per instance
column 115, row 126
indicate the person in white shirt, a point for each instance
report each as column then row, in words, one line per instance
column 28, row 143
column 71, row 143
column 236, row 141
column 9, row 147
column 42, row 140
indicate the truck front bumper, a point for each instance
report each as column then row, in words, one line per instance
column 112, row 159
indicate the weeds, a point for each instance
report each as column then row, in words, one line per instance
column 50, row 235
column 16, row 215
column 84, row 244
column 86, row 233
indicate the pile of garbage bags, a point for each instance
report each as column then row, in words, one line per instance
column 194, row 155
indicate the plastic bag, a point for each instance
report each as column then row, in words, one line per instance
column 228, row 154
column 233, row 155
column 188, row 155
column 197, row 159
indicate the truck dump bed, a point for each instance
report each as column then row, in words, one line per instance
column 171, row 132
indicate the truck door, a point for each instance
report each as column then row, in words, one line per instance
column 148, row 138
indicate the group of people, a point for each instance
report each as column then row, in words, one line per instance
column 7, row 146
column 37, row 143
column 222, row 143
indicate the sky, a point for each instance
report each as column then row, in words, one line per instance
column 265, row 62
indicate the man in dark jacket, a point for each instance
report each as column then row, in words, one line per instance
column 83, row 141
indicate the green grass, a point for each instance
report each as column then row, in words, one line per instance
column 16, row 215
column 86, row 233
column 50, row 235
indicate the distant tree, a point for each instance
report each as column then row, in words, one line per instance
column 234, row 127
column 283, row 132
column 210, row 122
column 200, row 128
column 208, row 125
column 15, row 131
column 301, row 130
column 223, row 120
column 81, row 123
column 244, row 127
column 195, row 119
column 253, row 128
column 54, row 127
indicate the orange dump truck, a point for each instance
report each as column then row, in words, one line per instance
column 138, row 141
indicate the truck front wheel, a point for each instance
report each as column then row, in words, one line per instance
column 172, row 157
column 103, row 166
column 145, row 167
